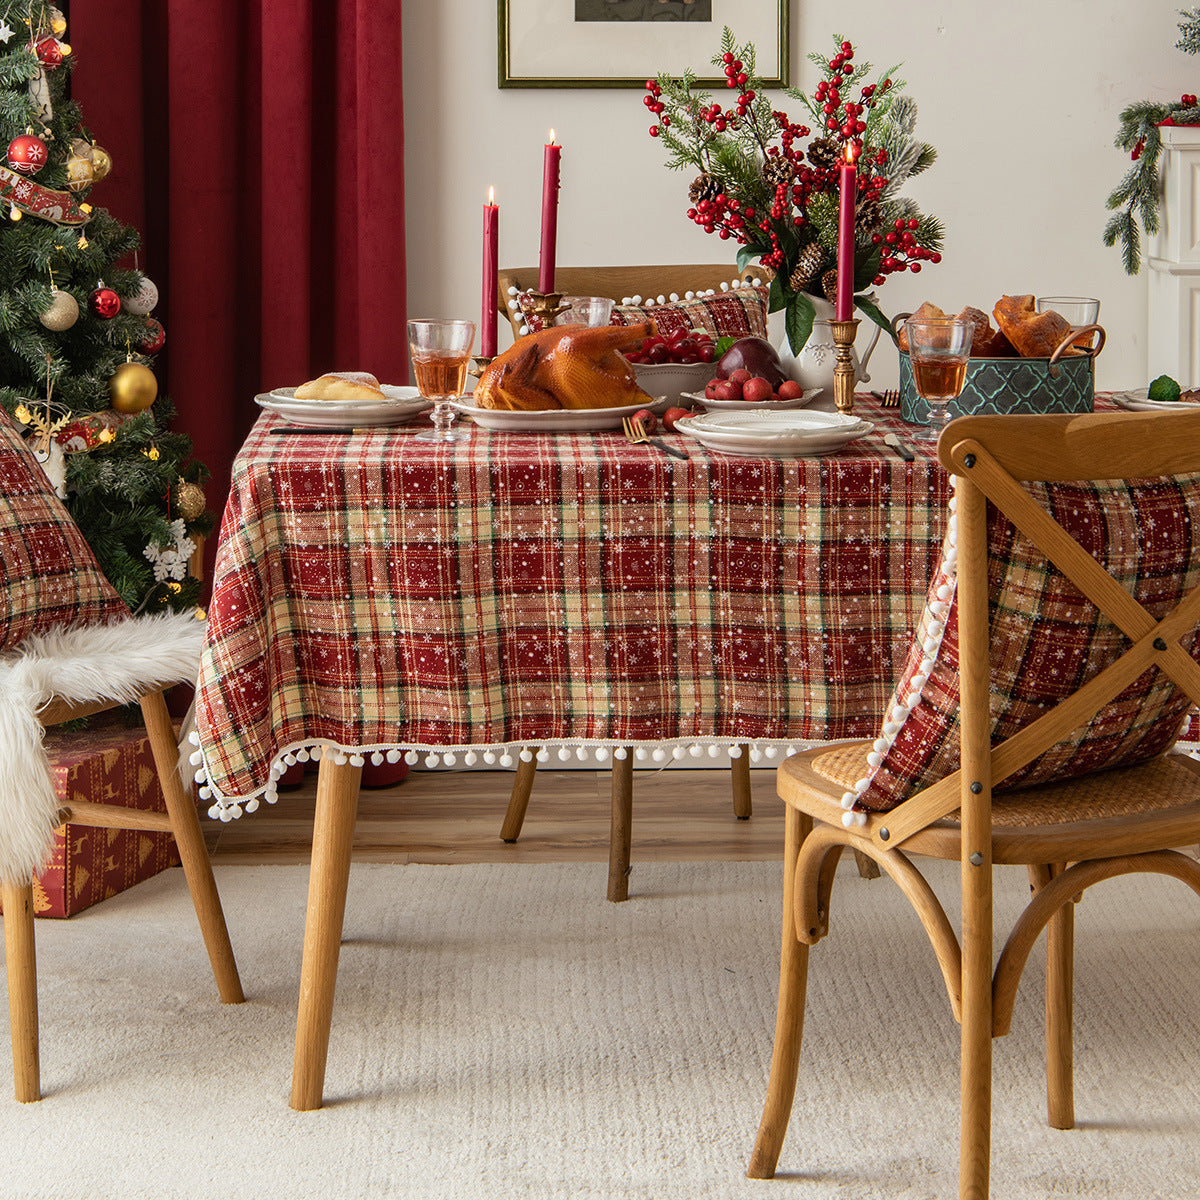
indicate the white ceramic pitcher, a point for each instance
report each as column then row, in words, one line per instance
column 813, row 366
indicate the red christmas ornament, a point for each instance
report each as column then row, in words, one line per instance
column 104, row 303
column 49, row 52
column 27, row 154
column 154, row 338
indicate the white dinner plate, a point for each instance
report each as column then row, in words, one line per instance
column 1138, row 402
column 399, row 405
column 553, row 420
column 795, row 434
column 752, row 405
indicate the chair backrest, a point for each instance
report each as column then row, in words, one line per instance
column 620, row 282
column 1128, row 484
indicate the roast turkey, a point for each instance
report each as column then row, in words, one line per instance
column 566, row 366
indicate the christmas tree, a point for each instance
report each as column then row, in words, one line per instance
column 77, row 341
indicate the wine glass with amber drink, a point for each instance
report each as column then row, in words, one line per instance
column 440, row 352
column 938, row 351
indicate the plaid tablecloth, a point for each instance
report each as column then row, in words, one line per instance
column 375, row 593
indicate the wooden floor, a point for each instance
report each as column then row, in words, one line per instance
column 455, row 817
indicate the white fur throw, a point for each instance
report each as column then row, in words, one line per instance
column 118, row 662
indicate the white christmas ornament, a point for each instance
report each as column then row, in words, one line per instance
column 143, row 302
column 171, row 562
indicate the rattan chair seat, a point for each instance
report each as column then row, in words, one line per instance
column 1024, row 818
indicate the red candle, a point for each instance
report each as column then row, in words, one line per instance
column 549, row 215
column 845, row 260
column 491, row 275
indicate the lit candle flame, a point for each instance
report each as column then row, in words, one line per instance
column 491, row 195
column 851, row 152
column 552, row 138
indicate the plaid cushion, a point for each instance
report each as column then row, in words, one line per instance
column 51, row 577
column 1047, row 641
column 739, row 312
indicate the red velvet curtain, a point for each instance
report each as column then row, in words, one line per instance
column 258, row 146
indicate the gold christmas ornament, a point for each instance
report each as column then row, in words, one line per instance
column 62, row 313
column 132, row 387
column 190, row 501
column 101, row 162
column 81, row 172
column 58, row 23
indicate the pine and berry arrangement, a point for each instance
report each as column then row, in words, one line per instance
column 1136, row 198
column 772, row 184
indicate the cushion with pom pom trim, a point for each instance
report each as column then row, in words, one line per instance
column 739, row 312
column 51, row 577
column 1046, row 641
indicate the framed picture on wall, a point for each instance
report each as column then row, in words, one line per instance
column 622, row 43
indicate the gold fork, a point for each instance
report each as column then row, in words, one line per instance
column 891, row 399
column 635, row 431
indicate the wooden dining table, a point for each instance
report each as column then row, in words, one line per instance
column 376, row 595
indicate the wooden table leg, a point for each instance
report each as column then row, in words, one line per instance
column 620, row 837
column 739, row 769
column 333, row 836
column 518, row 802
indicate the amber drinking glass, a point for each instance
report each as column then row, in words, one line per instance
column 938, row 350
column 440, row 352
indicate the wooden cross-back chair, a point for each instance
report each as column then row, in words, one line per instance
column 1069, row 834
column 620, row 283
column 180, row 820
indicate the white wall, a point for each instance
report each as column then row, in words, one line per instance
column 1021, row 101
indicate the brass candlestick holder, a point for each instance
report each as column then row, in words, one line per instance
column 479, row 364
column 545, row 306
column 844, row 333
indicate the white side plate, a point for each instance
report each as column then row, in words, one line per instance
column 796, row 434
column 1138, row 402
column 400, row 404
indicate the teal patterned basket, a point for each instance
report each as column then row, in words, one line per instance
column 1058, row 384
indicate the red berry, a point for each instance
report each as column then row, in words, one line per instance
column 654, row 131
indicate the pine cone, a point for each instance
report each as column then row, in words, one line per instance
column 777, row 170
column 807, row 267
column 868, row 217
column 829, row 285
column 705, row 187
column 823, row 154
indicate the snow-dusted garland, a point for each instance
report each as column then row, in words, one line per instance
column 228, row 808
column 931, row 645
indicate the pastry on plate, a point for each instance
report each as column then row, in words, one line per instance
column 341, row 385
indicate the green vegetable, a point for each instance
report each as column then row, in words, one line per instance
column 1164, row 388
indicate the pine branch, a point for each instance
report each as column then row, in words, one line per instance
column 1189, row 31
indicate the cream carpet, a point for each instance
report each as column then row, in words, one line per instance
column 504, row 1031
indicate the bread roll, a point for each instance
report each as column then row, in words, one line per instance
column 341, row 385
column 1034, row 334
